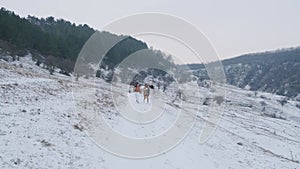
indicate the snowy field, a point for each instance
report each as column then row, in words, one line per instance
column 44, row 123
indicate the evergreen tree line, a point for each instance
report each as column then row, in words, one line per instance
column 57, row 42
column 52, row 42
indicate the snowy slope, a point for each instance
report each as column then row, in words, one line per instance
column 41, row 126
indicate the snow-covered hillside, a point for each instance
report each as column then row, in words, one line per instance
column 41, row 126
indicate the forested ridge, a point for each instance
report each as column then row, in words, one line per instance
column 271, row 71
column 55, row 42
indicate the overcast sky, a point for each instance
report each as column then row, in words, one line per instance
column 233, row 26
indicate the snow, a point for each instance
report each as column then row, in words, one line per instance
column 43, row 125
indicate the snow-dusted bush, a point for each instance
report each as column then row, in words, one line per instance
column 283, row 101
column 275, row 115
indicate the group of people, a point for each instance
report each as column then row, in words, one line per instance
column 145, row 90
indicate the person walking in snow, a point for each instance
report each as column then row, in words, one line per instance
column 164, row 86
column 151, row 85
column 178, row 95
column 137, row 91
column 158, row 85
column 146, row 92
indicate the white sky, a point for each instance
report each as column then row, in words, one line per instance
column 233, row 26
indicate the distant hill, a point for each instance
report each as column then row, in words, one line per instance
column 273, row 71
column 53, row 42
column 57, row 42
column 48, row 36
